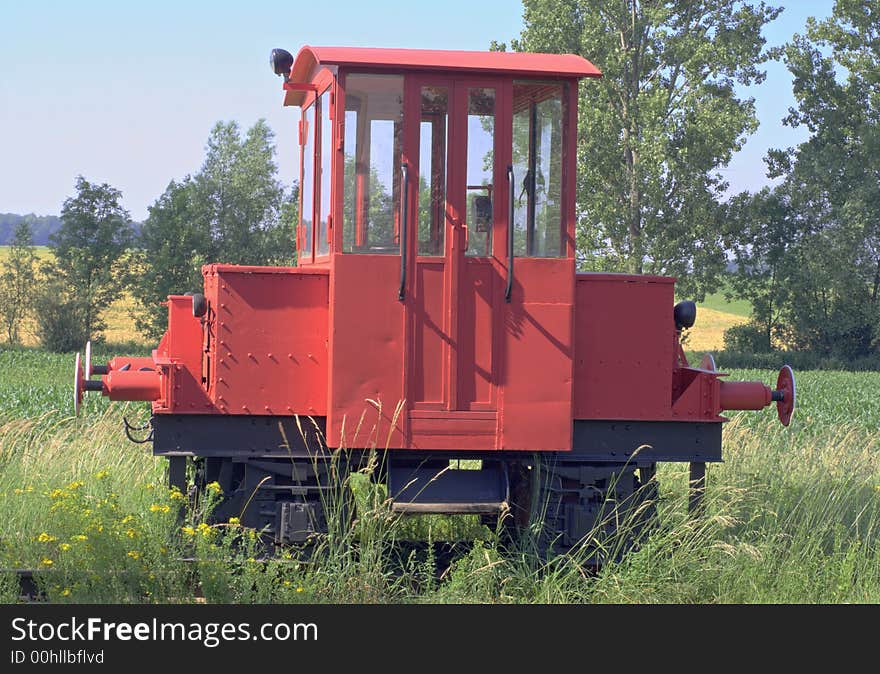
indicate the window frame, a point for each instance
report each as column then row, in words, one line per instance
column 319, row 172
column 341, row 109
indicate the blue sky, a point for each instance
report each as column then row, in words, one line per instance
column 126, row 93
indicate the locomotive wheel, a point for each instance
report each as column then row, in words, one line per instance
column 595, row 511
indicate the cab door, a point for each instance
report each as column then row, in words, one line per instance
column 456, row 292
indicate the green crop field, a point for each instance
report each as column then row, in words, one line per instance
column 791, row 516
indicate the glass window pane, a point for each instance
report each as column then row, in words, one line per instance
column 480, row 170
column 322, row 246
column 432, row 170
column 307, row 184
column 373, row 143
column 538, row 114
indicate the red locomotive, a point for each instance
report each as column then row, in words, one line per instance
column 435, row 312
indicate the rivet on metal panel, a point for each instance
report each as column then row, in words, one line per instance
column 267, row 408
column 290, row 409
column 222, row 361
column 245, row 408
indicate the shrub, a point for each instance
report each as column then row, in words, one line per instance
column 60, row 320
column 747, row 337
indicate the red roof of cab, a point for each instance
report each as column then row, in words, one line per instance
column 510, row 63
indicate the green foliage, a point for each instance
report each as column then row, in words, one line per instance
column 809, row 257
column 61, row 322
column 656, row 128
column 747, row 337
column 89, row 267
column 17, row 279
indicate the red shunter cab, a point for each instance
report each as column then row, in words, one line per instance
column 434, row 312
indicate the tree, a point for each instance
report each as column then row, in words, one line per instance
column 17, row 281
column 89, row 270
column 653, row 132
column 238, row 196
column 174, row 244
column 831, row 186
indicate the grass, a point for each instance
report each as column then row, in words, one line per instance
column 791, row 516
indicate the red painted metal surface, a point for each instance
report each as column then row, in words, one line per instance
column 267, row 340
column 624, row 339
column 309, row 59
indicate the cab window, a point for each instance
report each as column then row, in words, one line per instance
column 538, row 114
column 372, row 148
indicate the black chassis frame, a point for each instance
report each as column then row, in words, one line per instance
column 241, row 437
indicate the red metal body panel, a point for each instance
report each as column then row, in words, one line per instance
column 366, row 352
column 624, row 338
column 538, row 356
column 268, row 340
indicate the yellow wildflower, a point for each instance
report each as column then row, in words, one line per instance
column 64, row 547
column 102, row 474
column 134, row 554
column 46, row 538
column 56, row 493
column 214, row 487
column 46, row 562
column 189, row 531
column 234, row 521
column 75, row 485
column 131, row 533
column 79, row 537
column 151, row 485
column 176, row 495
column 127, row 519
column 287, row 583
column 65, row 592
column 299, row 589
column 156, row 508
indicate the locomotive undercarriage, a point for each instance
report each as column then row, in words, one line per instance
column 276, row 477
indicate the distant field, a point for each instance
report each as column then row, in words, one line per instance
column 717, row 302
column 708, row 332
column 120, row 326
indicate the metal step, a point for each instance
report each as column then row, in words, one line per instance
column 418, row 489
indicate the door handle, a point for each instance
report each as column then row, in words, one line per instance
column 510, row 184
column 404, row 171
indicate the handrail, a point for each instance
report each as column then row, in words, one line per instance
column 510, row 189
column 401, row 292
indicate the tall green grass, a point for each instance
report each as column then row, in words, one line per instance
column 790, row 516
